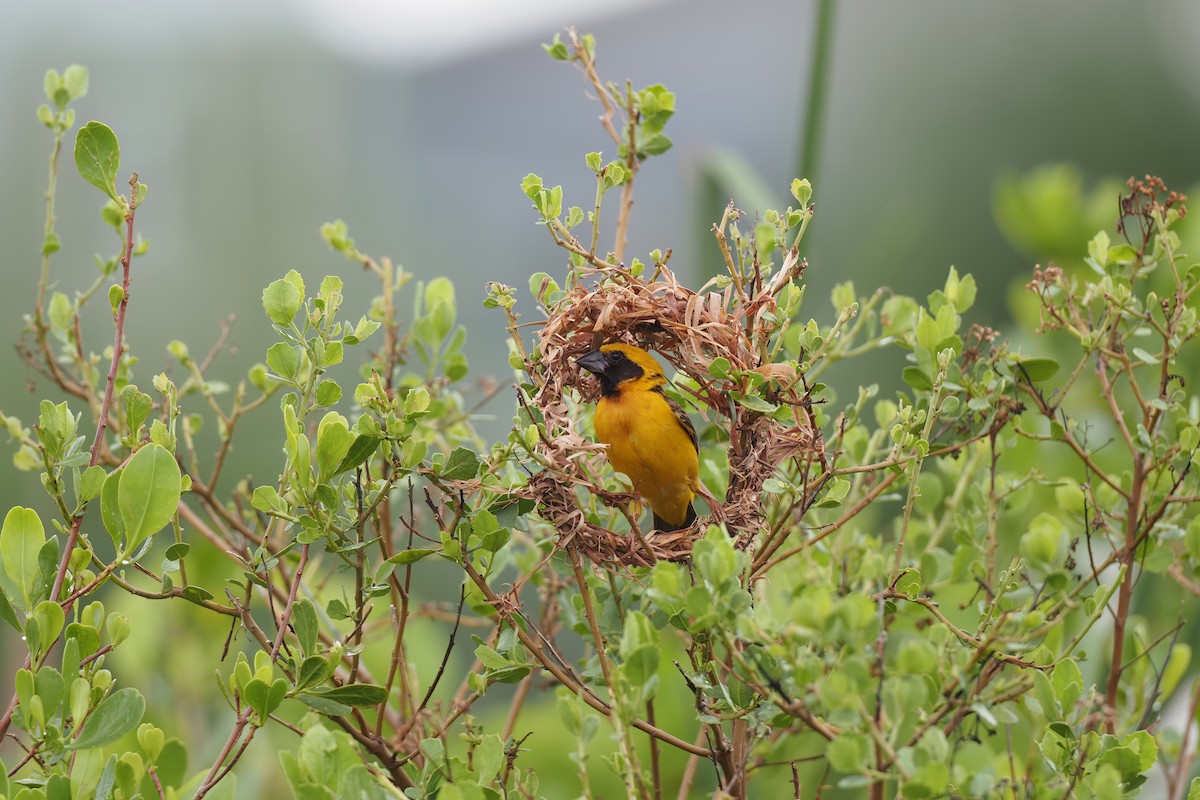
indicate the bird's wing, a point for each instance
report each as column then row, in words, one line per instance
column 682, row 418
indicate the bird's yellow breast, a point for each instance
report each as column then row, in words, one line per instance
column 649, row 445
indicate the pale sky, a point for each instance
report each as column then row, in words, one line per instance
column 441, row 30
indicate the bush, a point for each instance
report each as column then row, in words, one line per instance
column 927, row 592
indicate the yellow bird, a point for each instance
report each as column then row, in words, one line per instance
column 650, row 438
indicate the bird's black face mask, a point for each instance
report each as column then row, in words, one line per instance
column 612, row 368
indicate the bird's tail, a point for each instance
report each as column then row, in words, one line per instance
column 661, row 524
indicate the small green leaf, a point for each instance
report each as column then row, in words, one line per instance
column 328, row 393
column 333, row 444
column 148, row 494
column 557, row 50
column 1146, row 357
column 313, row 670
column 110, row 510
column 267, row 500
column 50, row 617
column 284, row 360
column 848, row 752
column 1044, row 692
column 908, row 583
column 802, row 191
column 353, row 694
column 363, row 448
column 8, row 614
column 281, row 300
column 21, row 538
column 90, row 483
column 753, row 402
column 115, row 295
column 51, row 82
column 61, row 312
column 75, row 81
column 117, row 715
column 138, row 406
column 323, row 705
column 531, row 185
column 409, row 556
column 489, row 757
column 917, row 378
column 462, row 465
column 304, row 623
column 98, row 157
column 1037, row 369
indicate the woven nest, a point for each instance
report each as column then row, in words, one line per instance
column 690, row 330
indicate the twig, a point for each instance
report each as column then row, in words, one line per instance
column 416, row 716
column 575, row 688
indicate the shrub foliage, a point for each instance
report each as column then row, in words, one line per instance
column 922, row 590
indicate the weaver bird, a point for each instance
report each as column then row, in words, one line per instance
column 649, row 436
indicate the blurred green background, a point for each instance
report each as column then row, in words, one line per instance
column 253, row 123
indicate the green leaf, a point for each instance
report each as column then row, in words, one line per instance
column 802, row 191
column 656, row 144
column 410, row 556
column 440, row 306
column 91, row 482
column 1037, row 369
column 328, row 393
column 753, row 402
column 363, row 448
column 284, row 360
column 110, row 510
column 98, row 157
column 58, row 787
column 51, row 82
column 531, row 185
column 1146, row 748
column 304, row 623
column 264, row 698
column 928, row 332
column 557, row 50
column 364, row 328
column 848, row 752
column 148, row 494
column 908, row 583
column 1146, row 357
column 313, row 670
column 117, row 715
column 52, row 244
column 282, row 300
column 21, row 538
column 138, row 406
column 75, row 81
column 50, row 617
column 462, row 465
column 323, row 705
column 331, row 354
column 353, row 694
column 61, row 311
column 7, row 612
column 333, row 444
column 267, row 500
column 489, row 757
column 1043, row 691
column 917, row 378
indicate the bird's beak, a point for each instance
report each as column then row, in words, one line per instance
column 593, row 362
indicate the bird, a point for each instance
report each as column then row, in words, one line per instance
column 649, row 436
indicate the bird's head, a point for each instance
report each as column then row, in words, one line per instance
column 623, row 367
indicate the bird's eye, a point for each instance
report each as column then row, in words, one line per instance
column 616, row 357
